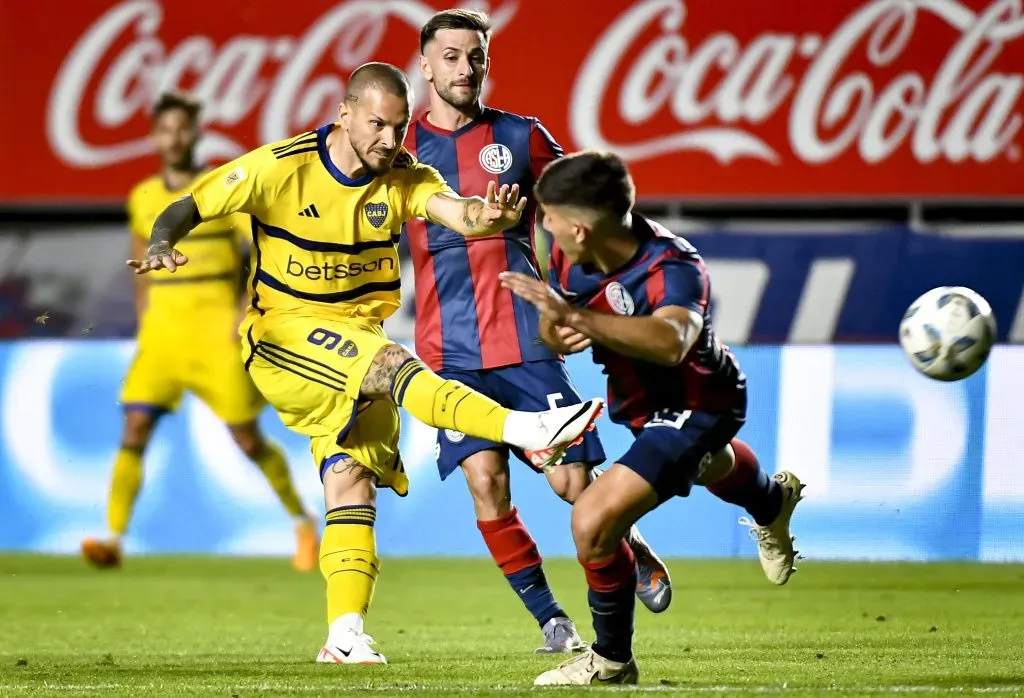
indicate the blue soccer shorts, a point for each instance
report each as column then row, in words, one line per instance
column 530, row 387
column 670, row 449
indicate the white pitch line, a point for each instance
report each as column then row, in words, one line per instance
column 780, row 689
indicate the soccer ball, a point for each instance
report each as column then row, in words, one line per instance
column 948, row 332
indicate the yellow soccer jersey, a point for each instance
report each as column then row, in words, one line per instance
column 326, row 244
column 209, row 283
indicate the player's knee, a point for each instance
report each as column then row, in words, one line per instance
column 569, row 481
column 377, row 383
column 716, row 467
column 487, row 477
column 592, row 531
column 349, row 483
column 248, row 439
column 138, row 427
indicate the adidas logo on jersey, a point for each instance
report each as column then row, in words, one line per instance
column 310, row 212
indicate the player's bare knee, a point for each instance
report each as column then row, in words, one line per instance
column 377, row 383
column 487, row 478
column 716, row 467
column 248, row 439
column 138, row 427
column 569, row 481
column 592, row 531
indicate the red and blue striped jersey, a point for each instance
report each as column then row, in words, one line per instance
column 666, row 270
column 464, row 318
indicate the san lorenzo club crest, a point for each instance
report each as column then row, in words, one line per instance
column 496, row 158
column 376, row 213
column 619, row 298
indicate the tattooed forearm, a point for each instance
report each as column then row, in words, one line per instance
column 174, row 223
column 471, row 214
column 351, row 468
column 377, row 383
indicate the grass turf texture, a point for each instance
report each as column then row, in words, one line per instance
column 240, row 627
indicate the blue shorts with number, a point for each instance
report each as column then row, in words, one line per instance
column 670, row 449
column 531, row 387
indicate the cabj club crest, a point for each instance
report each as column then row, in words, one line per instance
column 376, row 213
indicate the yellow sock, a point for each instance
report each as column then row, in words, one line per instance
column 124, row 488
column 348, row 560
column 447, row 404
column 272, row 462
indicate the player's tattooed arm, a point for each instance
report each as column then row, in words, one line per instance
column 665, row 337
column 474, row 216
column 171, row 226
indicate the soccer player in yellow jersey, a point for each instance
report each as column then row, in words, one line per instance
column 327, row 209
column 187, row 340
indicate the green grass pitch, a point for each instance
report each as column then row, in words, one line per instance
column 240, row 627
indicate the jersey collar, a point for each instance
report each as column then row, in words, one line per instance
column 325, row 158
column 481, row 117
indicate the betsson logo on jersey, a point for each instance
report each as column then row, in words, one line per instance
column 328, row 271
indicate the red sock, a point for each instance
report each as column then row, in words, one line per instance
column 617, row 571
column 511, row 545
column 745, row 471
column 515, row 551
column 748, row 486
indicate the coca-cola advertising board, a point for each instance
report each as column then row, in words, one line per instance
column 706, row 99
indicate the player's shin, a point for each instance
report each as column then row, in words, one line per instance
column 271, row 461
column 349, row 564
column 124, row 488
column 515, row 552
column 747, row 485
column 446, row 404
column 612, row 585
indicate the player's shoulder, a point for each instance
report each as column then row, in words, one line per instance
column 146, row 187
column 512, row 118
column 289, row 154
column 664, row 244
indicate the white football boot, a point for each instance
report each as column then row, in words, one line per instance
column 774, row 542
column 546, row 436
column 350, row 647
column 590, row 668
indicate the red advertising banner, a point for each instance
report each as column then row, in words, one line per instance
column 705, row 98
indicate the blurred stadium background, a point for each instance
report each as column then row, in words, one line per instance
column 831, row 160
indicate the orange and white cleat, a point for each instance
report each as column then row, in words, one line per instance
column 104, row 554
column 307, row 547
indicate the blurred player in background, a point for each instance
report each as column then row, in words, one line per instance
column 328, row 208
column 187, row 340
column 639, row 295
column 471, row 330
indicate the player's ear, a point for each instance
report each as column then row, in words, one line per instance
column 343, row 112
column 428, row 74
column 487, row 66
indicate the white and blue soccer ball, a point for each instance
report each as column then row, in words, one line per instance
column 948, row 332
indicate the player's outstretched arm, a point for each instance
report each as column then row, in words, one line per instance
column 474, row 216
column 665, row 337
column 171, row 226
